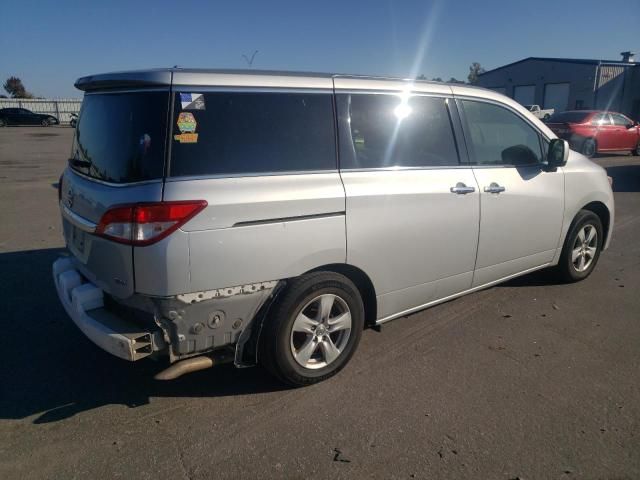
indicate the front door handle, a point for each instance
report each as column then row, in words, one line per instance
column 494, row 188
column 462, row 189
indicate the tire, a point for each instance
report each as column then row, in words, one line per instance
column 546, row 117
column 636, row 152
column 2, row 123
column 316, row 350
column 575, row 250
column 45, row 122
column 589, row 148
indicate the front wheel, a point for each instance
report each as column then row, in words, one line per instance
column 636, row 152
column 2, row 123
column 581, row 247
column 313, row 330
column 45, row 122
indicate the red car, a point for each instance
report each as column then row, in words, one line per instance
column 593, row 131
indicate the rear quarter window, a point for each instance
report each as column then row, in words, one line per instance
column 239, row 133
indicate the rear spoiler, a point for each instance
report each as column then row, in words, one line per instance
column 137, row 79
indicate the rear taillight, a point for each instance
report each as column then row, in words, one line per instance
column 146, row 223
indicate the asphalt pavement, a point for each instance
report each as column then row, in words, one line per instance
column 531, row 379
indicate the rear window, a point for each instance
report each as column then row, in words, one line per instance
column 568, row 117
column 236, row 133
column 120, row 137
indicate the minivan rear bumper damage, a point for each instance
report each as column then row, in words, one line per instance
column 182, row 326
column 84, row 303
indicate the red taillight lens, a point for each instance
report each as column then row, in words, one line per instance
column 146, row 223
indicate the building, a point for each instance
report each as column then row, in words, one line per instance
column 570, row 84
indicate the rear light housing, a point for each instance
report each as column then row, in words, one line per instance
column 143, row 224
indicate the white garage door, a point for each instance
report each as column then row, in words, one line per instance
column 556, row 95
column 525, row 94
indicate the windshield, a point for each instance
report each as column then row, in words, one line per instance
column 120, row 137
column 568, row 117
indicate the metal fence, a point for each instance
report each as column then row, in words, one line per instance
column 61, row 108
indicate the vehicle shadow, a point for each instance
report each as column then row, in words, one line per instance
column 626, row 178
column 49, row 369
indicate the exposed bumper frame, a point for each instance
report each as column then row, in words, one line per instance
column 83, row 302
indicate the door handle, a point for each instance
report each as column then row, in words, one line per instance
column 462, row 189
column 494, row 188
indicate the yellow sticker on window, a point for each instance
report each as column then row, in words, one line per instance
column 186, row 137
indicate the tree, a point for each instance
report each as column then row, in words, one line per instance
column 474, row 71
column 421, row 77
column 436, row 79
column 455, row 80
column 15, row 88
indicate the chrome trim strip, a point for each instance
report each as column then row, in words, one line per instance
column 266, row 221
column 255, row 174
column 76, row 220
column 249, row 89
column 397, row 93
column 405, row 169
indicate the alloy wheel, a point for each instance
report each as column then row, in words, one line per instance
column 321, row 331
column 584, row 248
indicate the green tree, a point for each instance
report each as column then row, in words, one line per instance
column 474, row 71
column 436, row 79
column 15, row 88
column 455, row 80
column 421, row 77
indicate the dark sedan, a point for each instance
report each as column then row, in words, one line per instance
column 22, row 116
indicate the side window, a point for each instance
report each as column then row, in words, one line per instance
column 236, row 133
column 620, row 120
column 383, row 130
column 500, row 137
column 600, row 119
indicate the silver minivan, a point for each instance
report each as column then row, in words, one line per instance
column 266, row 217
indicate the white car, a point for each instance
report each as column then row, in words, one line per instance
column 543, row 114
column 267, row 217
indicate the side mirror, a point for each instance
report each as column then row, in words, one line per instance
column 558, row 153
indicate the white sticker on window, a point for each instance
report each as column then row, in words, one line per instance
column 192, row 101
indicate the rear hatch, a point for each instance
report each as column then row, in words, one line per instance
column 117, row 157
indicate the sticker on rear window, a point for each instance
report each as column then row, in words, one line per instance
column 186, row 122
column 186, row 137
column 192, row 101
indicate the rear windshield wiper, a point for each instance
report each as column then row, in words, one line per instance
column 74, row 162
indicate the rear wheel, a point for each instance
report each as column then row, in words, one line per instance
column 2, row 122
column 636, row 152
column 581, row 247
column 589, row 147
column 313, row 330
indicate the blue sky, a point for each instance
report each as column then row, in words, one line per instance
column 50, row 43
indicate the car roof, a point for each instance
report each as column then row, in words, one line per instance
column 191, row 77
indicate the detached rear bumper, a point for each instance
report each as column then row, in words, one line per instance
column 83, row 302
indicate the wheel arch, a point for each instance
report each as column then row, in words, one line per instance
column 601, row 210
column 364, row 284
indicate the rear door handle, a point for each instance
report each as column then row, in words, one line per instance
column 494, row 188
column 462, row 189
